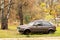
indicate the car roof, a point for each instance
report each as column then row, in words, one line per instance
column 41, row 20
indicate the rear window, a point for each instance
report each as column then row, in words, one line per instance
column 46, row 23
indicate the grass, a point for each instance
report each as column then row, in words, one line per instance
column 13, row 33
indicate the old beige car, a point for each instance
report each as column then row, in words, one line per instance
column 37, row 26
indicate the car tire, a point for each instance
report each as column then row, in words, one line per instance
column 50, row 31
column 27, row 32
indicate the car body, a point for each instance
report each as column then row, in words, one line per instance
column 37, row 26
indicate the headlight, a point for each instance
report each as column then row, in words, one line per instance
column 18, row 27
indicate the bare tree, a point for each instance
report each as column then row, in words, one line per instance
column 4, row 18
column 20, row 13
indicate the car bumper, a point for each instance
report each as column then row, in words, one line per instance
column 20, row 30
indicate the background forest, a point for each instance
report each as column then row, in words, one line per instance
column 33, row 10
column 18, row 12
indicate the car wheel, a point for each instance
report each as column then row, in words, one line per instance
column 27, row 32
column 50, row 31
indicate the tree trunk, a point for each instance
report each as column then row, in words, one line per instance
column 4, row 23
column 51, row 6
column 20, row 13
column 4, row 18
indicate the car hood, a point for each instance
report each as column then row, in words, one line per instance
column 24, row 26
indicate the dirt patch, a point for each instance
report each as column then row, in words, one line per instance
column 40, row 38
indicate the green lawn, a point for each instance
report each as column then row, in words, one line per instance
column 12, row 33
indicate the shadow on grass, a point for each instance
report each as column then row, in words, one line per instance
column 29, row 35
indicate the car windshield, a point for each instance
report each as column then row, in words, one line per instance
column 31, row 23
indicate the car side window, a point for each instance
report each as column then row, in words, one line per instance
column 46, row 24
column 38, row 23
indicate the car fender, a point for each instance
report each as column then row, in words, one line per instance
column 50, row 29
column 27, row 29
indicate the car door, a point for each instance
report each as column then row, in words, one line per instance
column 46, row 25
column 33, row 28
column 38, row 26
